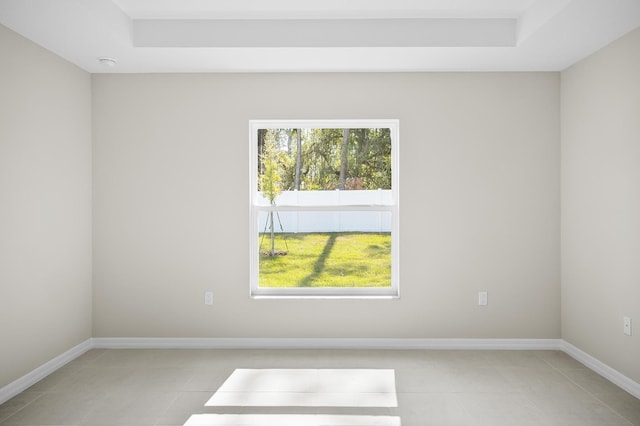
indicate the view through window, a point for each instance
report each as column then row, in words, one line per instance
column 324, row 203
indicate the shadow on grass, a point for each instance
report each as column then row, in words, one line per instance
column 318, row 267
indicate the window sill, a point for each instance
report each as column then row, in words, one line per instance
column 380, row 294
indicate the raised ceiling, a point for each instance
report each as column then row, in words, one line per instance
column 322, row 35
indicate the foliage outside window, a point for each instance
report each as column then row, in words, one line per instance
column 324, row 208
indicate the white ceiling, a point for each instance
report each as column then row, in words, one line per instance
column 322, row 35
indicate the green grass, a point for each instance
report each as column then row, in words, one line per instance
column 327, row 260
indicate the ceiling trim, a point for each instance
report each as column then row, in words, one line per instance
column 325, row 33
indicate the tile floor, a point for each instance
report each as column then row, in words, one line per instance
column 322, row 388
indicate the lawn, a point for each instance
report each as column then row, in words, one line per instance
column 335, row 259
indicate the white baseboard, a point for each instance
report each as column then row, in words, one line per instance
column 14, row 388
column 326, row 343
column 602, row 369
column 21, row 384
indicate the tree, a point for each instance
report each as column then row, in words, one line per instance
column 296, row 182
column 343, row 159
column 270, row 180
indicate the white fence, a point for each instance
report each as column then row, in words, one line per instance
column 328, row 221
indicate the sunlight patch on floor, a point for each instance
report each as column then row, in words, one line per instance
column 307, row 388
column 290, row 420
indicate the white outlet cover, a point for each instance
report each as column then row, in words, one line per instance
column 627, row 326
column 482, row 298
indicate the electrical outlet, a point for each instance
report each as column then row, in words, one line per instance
column 627, row 326
column 483, row 298
column 208, row 298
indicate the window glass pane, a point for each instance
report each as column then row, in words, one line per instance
column 323, row 159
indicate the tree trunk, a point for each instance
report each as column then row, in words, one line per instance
column 343, row 159
column 261, row 137
column 289, row 133
column 296, row 183
column 273, row 235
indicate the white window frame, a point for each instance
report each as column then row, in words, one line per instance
column 361, row 292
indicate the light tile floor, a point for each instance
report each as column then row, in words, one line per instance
column 173, row 387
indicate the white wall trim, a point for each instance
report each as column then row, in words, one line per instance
column 601, row 368
column 14, row 388
column 29, row 379
column 326, row 343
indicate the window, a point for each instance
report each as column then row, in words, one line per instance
column 324, row 208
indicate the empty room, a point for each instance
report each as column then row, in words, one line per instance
column 319, row 213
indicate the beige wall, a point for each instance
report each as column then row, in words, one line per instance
column 45, row 206
column 601, row 204
column 479, row 158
